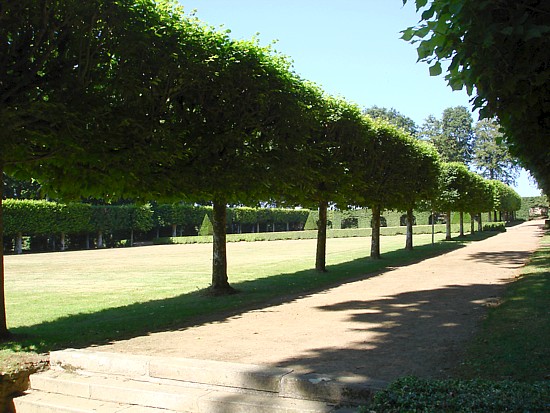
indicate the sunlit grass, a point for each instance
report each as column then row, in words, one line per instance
column 514, row 340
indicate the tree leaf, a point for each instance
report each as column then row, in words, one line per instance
column 408, row 34
column 435, row 70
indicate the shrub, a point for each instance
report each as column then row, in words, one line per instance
column 206, row 227
column 495, row 226
column 411, row 394
column 311, row 222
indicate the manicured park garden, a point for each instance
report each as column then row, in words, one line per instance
column 94, row 297
column 108, row 102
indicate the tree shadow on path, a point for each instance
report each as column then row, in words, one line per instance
column 419, row 333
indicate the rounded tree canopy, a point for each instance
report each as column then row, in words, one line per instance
column 454, row 184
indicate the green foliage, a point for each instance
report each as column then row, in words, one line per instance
column 412, row 394
column 206, row 227
column 385, row 165
column 20, row 189
column 73, row 218
column 311, row 222
column 41, row 217
column 494, row 226
column 32, row 217
column 324, row 175
column 29, row 216
column 245, row 215
column 511, row 84
column 452, row 136
column 481, row 197
column 505, row 198
column 394, row 117
column 491, row 157
column 529, row 202
column 122, row 217
column 309, row 234
column 186, row 215
column 454, row 186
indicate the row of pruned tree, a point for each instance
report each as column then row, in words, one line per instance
column 464, row 191
column 133, row 99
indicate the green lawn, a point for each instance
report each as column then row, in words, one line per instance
column 513, row 343
column 80, row 298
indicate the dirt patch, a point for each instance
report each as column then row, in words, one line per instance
column 15, row 370
column 412, row 320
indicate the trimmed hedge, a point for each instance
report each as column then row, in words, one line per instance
column 411, row 394
column 33, row 218
column 43, row 217
column 206, row 227
column 495, row 226
column 307, row 234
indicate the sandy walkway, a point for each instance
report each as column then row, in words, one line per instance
column 410, row 320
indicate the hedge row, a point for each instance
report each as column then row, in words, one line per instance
column 31, row 217
column 42, row 218
column 306, row 234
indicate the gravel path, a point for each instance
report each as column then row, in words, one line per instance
column 409, row 320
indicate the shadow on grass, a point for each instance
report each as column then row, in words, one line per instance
column 192, row 309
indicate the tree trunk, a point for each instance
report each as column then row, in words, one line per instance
column 409, row 237
column 87, row 241
column 448, row 226
column 4, row 333
column 479, row 223
column 375, row 238
column 220, row 284
column 494, row 216
column 461, row 214
column 18, row 243
column 320, row 256
column 62, row 241
column 174, row 230
column 99, row 239
column 433, row 227
column 472, row 223
column 131, row 238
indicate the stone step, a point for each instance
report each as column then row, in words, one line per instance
column 71, row 391
column 40, row 402
column 88, row 381
column 217, row 373
column 262, row 378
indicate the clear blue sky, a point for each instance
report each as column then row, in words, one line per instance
column 351, row 48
